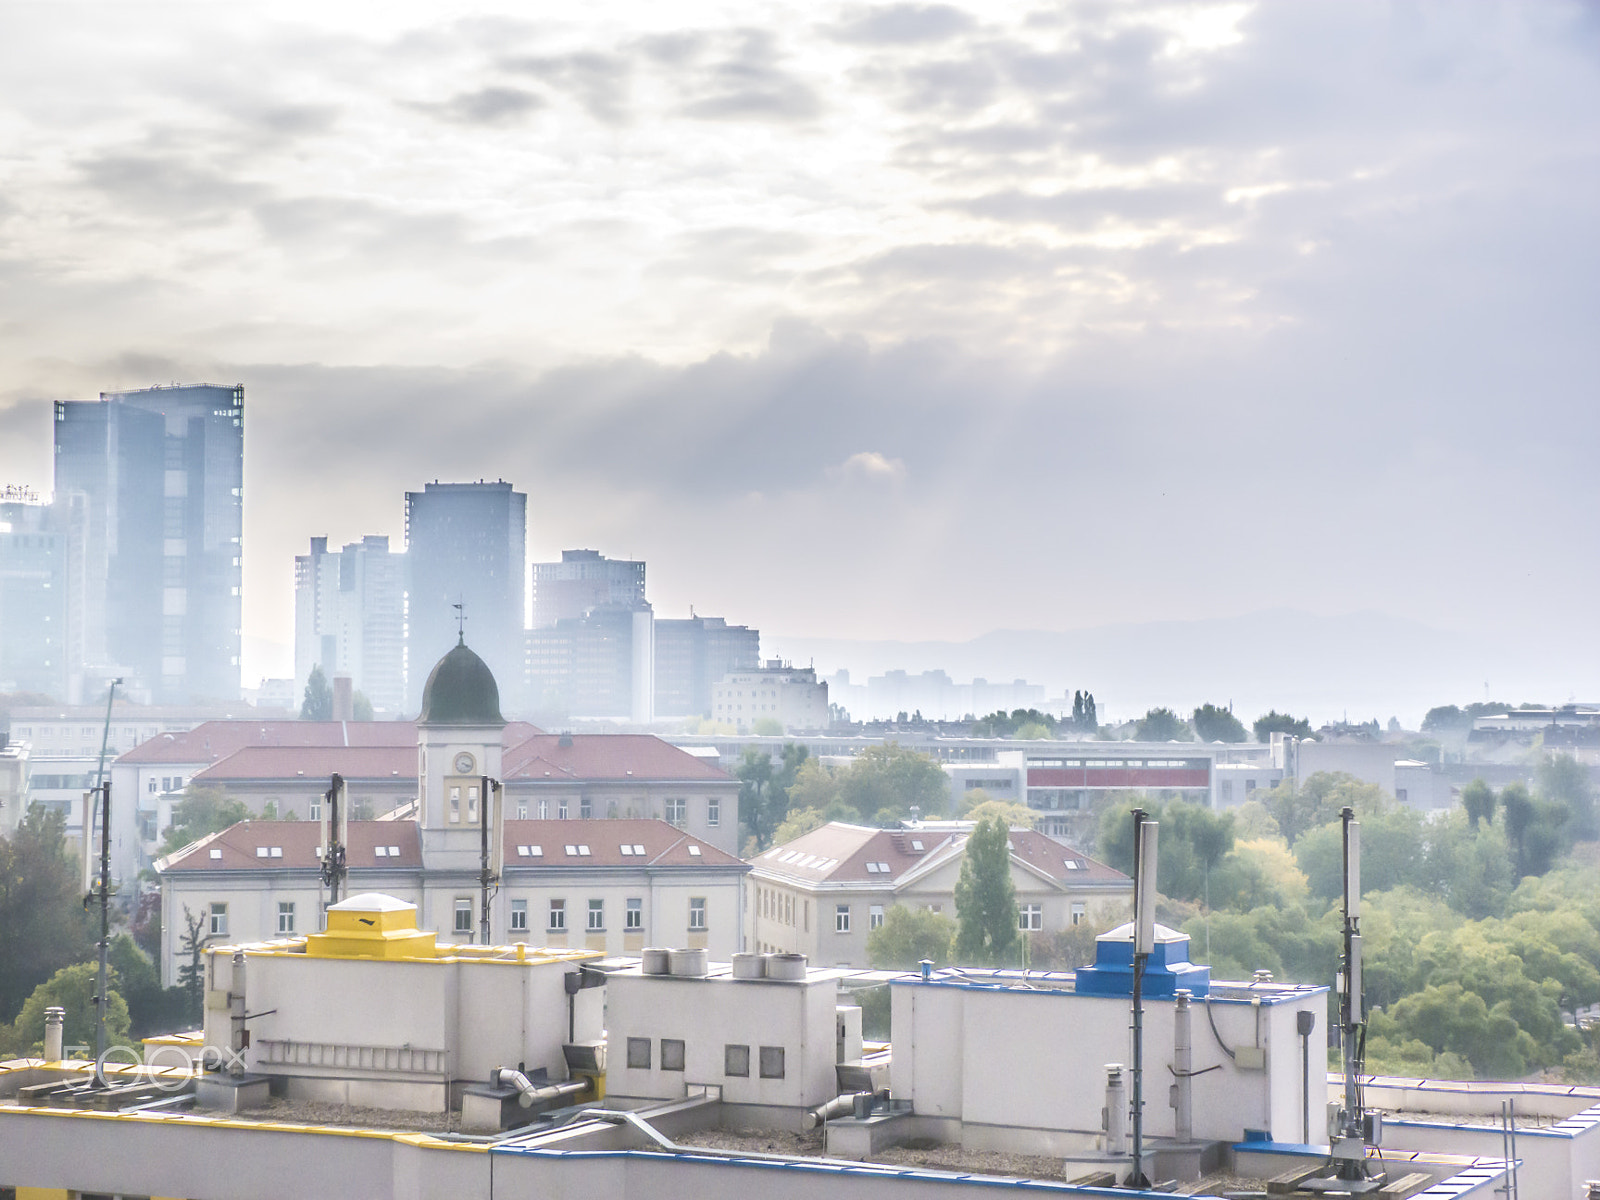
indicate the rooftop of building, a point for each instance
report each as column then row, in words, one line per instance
column 214, row 740
column 461, row 690
column 274, row 763
column 620, row 842
column 839, row 853
column 292, row 845
column 637, row 757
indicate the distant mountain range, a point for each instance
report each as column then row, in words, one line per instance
column 1364, row 664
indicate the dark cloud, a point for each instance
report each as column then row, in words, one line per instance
column 747, row 81
column 497, row 106
column 902, row 24
column 165, row 187
column 598, row 82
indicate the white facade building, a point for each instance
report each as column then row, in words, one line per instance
column 789, row 695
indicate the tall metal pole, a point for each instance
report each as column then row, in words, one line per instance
column 1144, row 892
column 333, row 857
column 1351, row 1150
column 483, row 860
column 104, row 986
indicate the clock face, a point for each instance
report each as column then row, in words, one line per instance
column 464, row 764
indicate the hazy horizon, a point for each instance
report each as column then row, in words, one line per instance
column 862, row 323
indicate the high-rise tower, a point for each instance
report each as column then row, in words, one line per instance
column 158, row 474
column 466, row 544
column 349, row 618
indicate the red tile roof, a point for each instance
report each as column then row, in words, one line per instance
column 214, row 740
column 238, row 847
column 398, row 763
column 637, row 756
column 661, row 845
column 840, row 853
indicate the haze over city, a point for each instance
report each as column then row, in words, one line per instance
column 1271, row 324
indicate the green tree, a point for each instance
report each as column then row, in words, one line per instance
column 202, row 810
column 1446, row 718
column 890, row 780
column 1478, row 799
column 43, row 925
column 192, row 973
column 1563, row 780
column 767, row 727
column 74, row 989
column 1320, row 800
column 1274, row 721
column 1533, row 827
column 152, row 1009
column 815, row 785
column 909, row 935
column 977, row 805
column 317, row 704
column 1392, row 854
column 1215, row 724
column 360, row 707
column 986, row 900
column 1162, row 725
column 757, row 812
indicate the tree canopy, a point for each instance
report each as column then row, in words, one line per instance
column 73, row 988
column 202, row 810
column 1162, row 725
column 43, row 925
column 909, row 935
column 986, row 900
column 317, row 703
column 1274, row 721
column 1214, row 724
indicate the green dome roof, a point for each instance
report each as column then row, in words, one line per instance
column 461, row 691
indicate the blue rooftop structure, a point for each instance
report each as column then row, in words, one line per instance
column 1167, row 969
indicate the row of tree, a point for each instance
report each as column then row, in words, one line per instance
column 882, row 785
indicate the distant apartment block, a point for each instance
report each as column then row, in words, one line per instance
column 466, row 544
column 693, row 655
column 598, row 666
column 151, row 485
column 792, row 696
column 582, row 580
column 349, row 618
column 33, row 609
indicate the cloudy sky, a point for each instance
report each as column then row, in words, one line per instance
column 859, row 321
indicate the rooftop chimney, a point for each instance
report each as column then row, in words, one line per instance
column 344, row 703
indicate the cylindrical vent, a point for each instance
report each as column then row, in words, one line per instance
column 54, row 1026
column 747, row 966
column 655, row 960
column 786, row 966
column 1115, row 1118
column 691, row 963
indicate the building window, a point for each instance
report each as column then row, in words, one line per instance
column 736, row 1061
column 544, row 810
column 316, row 809
column 1227, row 790
column 285, row 916
column 597, row 916
column 219, row 920
column 455, row 806
column 519, row 915
column 472, row 804
column 1078, row 912
column 558, row 916
column 713, row 812
column 672, row 1054
column 463, row 916
column 1030, row 918
column 841, row 918
column 677, row 811
column 772, row 1062
column 697, row 912
column 522, row 812
column 633, row 919
column 874, row 916
column 585, row 809
column 561, row 810
column 638, row 1054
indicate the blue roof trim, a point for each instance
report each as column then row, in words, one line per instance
column 1013, row 984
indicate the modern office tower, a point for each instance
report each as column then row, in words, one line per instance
column 159, row 476
column 349, row 619
column 33, row 595
column 693, row 655
column 466, row 544
column 582, row 580
column 598, row 666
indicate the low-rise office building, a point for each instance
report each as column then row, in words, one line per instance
column 824, row 892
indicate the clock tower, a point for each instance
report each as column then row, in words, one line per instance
column 459, row 738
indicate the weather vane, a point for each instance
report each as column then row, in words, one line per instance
column 461, row 622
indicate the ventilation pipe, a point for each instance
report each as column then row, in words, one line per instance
column 532, row 1093
column 55, row 1020
column 1183, row 1066
column 1115, row 1118
column 840, row 1106
column 240, row 1040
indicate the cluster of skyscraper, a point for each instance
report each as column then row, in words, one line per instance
column 132, row 569
column 594, row 649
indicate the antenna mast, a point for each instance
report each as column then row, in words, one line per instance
column 1144, row 940
column 334, row 825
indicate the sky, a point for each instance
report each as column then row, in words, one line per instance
column 855, row 321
